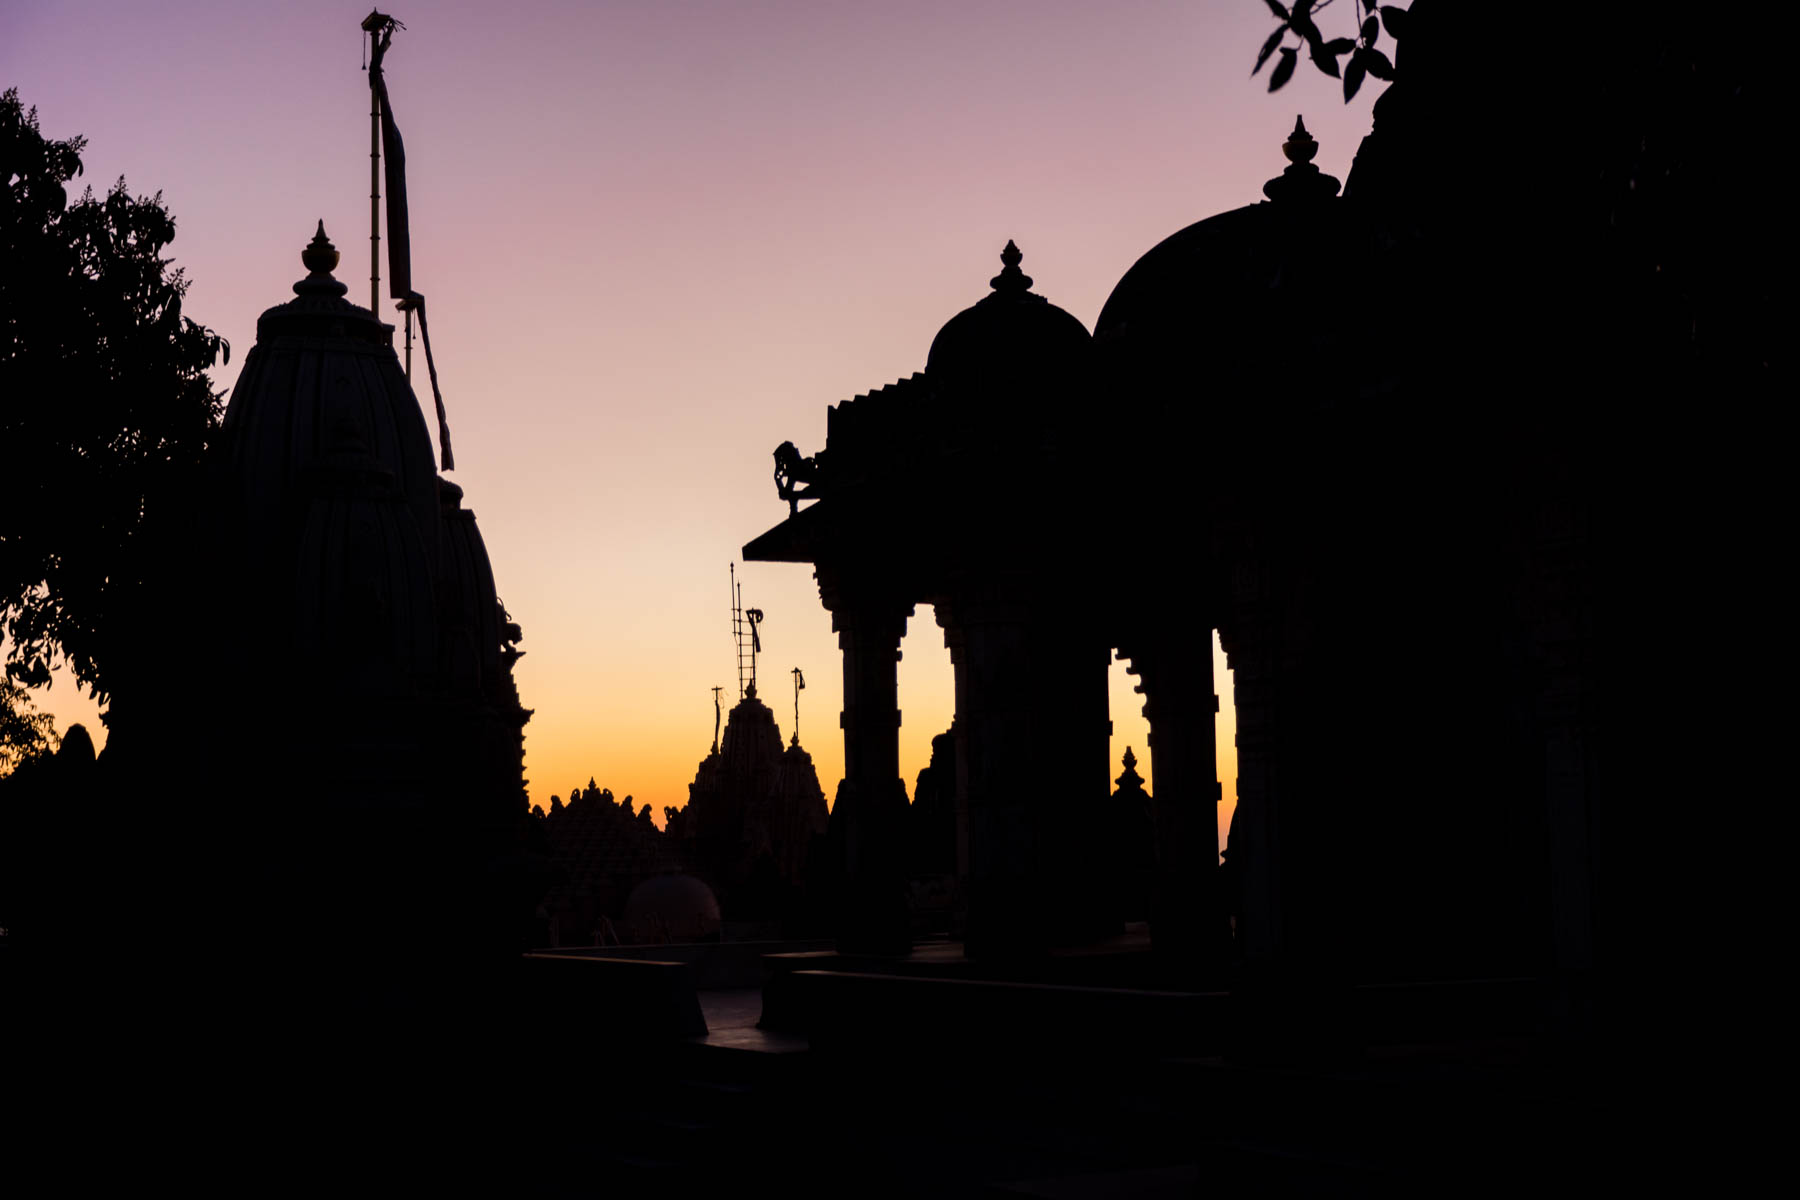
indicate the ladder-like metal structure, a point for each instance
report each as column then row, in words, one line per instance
column 748, row 641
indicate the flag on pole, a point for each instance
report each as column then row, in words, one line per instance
column 381, row 28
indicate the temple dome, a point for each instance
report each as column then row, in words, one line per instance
column 672, row 907
column 320, row 366
column 1010, row 333
column 1273, row 287
column 318, row 308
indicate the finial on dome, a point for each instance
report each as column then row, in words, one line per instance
column 1011, row 279
column 1300, row 146
column 1302, row 182
column 1130, row 759
column 319, row 258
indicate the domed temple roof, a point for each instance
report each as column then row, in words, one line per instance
column 323, row 368
column 1010, row 331
column 1220, row 274
column 1260, row 313
column 673, row 907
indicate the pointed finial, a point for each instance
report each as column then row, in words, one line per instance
column 1300, row 146
column 320, row 258
column 1011, row 279
column 1130, row 759
column 1301, row 183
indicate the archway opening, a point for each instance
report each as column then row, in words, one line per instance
column 1131, row 730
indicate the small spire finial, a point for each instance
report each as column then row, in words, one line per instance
column 1300, row 146
column 320, row 256
column 1301, row 182
column 1011, row 279
column 1130, row 759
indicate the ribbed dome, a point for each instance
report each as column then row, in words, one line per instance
column 364, row 610
column 1010, row 333
column 321, row 362
column 469, row 606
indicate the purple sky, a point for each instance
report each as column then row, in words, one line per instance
column 659, row 238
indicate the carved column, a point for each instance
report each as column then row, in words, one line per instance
column 1248, row 639
column 1188, row 915
column 869, row 817
column 1031, row 717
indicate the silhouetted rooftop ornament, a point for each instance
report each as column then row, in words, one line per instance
column 799, row 686
column 1301, row 182
column 320, row 258
column 319, row 307
column 744, row 635
column 1010, row 278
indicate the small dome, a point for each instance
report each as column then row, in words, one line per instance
column 318, row 308
column 1009, row 333
column 672, row 908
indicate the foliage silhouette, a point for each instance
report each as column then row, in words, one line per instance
column 25, row 734
column 105, row 409
column 1365, row 58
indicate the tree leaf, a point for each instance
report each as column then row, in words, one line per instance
column 1377, row 64
column 1302, row 7
column 1303, row 25
column 1268, row 48
column 1325, row 61
column 1371, row 29
column 1277, row 8
column 1394, row 19
column 1284, row 70
column 1340, row 46
column 1353, row 77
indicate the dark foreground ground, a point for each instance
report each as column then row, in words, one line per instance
column 584, row 1082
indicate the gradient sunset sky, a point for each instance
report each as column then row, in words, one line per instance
column 661, row 237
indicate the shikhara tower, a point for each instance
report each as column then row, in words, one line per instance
column 361, row 608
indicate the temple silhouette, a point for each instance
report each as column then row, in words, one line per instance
column 743, row 857
column 952, row 486
column 1400, row 440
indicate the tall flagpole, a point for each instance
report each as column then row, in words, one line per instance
column 374, row 202
column 372, row 25
column 383, row 133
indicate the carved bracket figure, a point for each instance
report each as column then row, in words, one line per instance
column 791, row 470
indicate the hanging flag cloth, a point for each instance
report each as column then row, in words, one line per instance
column 381, row 29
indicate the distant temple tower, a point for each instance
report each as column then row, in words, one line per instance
column 754, row 807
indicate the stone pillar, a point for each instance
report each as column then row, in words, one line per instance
column 1031, row 719
column 1188, row 918
column 1256, row 848
column 953, row 642
column 869, row 818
